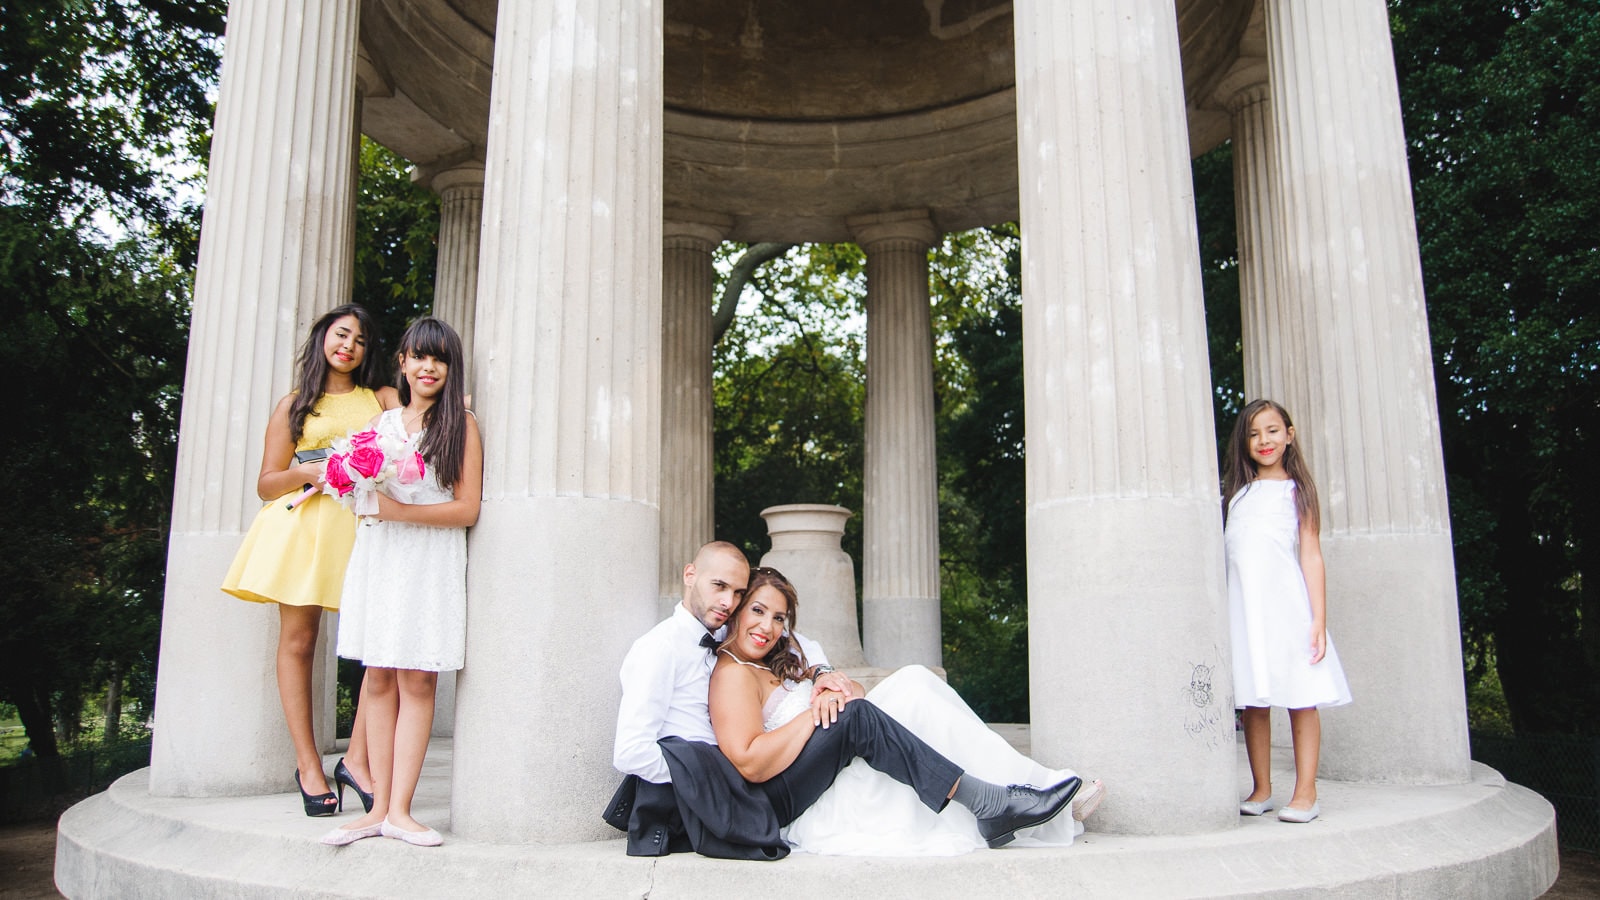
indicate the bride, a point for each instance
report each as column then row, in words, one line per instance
column 760, row 682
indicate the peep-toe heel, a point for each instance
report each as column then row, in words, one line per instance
column 317, row 805
column 343, row 778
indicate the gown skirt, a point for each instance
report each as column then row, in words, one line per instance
column 867, row 813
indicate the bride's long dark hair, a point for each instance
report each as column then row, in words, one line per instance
column 785, row 657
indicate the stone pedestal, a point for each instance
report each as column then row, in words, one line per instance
column 805, row 548
column 275, row 252
column 900, row 555
column 1128, row 643
column 563, row 574
column 1352, row 316
column 455, row 283
column 687, row 283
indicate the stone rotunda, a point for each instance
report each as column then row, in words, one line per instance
column 591, row 154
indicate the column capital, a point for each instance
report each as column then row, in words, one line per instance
column 465, row 175
column 907, row 225
column 1246, row 82
column 370, row 80
column 693, row 228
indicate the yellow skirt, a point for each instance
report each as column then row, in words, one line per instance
column 294, row 556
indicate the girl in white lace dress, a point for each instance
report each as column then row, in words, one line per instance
column 865, row 812
column 404, row 609
column 1282, row 652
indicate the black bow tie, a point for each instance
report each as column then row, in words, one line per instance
column 708, row 642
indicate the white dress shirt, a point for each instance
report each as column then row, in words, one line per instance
column 666, row 678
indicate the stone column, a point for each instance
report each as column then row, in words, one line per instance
column 1128, row 636
column 455, row 283
column 274, row 254
column 455, row 300
column 1364, row 406
column 1268, row 359
column 687, row 284
column 563, row 575
column 900, row 503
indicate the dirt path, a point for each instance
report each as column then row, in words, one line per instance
column 28, row 861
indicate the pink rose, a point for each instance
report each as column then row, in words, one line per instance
column 409, row 468
column 336, row 476
column 366, row 461
column 363, row 439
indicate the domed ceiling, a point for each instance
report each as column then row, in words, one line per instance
column 787, row 116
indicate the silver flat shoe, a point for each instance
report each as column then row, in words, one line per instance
column 1299, row 816
column 1255, row 807
column 427, row 838
column 339, row 837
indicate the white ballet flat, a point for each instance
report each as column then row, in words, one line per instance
column 339, row 837
column 1255, row 807
column 1299, row 816
column 425, row 838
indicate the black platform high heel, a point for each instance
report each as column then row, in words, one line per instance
column 342, row 777
column 319, row 805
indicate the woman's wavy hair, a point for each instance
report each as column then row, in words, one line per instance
column 784, row 657
column 445, row 423
column 1239, row 468
column 312, row 365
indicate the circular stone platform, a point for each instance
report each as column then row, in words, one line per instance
column 1487, row 839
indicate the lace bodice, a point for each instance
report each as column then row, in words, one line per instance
column 786, row 701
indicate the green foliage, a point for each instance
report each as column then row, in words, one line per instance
column 97, row 333
column 397, row 227
column 787, row 398
column 98, row 99
column 104, row 117
column 1219, row 278
column 1502, row 110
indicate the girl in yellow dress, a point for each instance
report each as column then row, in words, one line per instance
column 296, row 557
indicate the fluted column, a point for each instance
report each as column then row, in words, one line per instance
column 274, row 253
column 455, row 282
column 687, row 284
column 1268, row 359
column 562, row 573
column 1365, row 410
column 900, row 503
column 1128, row 646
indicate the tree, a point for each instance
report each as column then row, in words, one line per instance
column 102, row 108
column 1502, row 114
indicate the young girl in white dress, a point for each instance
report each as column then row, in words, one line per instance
column 404, row 610
column 1282, row 653
column 865, row 812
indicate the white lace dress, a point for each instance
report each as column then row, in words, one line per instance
column 867, row 813
column 1269, row 608
column 405, row 591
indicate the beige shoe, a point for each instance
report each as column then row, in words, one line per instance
column 1088, row 799
column 1299, row 816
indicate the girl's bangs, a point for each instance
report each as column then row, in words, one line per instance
column 428, row 339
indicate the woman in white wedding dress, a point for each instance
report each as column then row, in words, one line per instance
column 865, row 812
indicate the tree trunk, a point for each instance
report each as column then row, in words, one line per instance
column 113, row 729
column 33, row 707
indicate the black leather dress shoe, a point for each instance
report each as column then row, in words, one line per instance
column 1027, row 806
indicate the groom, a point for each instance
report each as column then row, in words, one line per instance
column 681, row 793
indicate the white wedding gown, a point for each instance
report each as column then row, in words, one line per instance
column 867, row 813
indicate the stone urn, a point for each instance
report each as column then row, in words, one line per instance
column 806, row 549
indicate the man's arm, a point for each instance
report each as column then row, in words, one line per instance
column 647, row 683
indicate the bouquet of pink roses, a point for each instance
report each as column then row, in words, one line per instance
column 365, row 460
